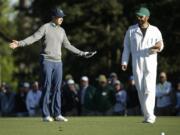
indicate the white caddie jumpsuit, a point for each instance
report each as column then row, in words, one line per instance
column 144, row 64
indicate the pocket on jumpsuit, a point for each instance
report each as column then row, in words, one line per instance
column 150, row 73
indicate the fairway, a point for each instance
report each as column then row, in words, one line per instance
column 90, row 126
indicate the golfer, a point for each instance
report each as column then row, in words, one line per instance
column 53, row 37
column 143, row 41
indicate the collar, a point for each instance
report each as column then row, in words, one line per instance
column 53, row 24
column 164, row 83
column 138, row 29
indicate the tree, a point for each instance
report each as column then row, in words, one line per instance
column 165, row 14
column 98, row 25
column 7, row 29
column 90, row 25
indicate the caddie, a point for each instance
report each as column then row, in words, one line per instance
column 143, row 41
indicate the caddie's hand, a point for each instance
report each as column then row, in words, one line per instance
column 156, row 48
column 157, row 45
column 89, row 54
column 153, row 51
column 124, row 67
column 14, row 44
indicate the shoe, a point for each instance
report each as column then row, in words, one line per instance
column 61, row 118
column 48, row 119
column 150, row 121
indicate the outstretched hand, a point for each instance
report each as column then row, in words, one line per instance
column 89, row 54
column 13, row 44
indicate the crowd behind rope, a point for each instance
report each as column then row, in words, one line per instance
column 108, row 97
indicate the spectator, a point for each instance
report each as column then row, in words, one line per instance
column 104, row 97
column 20, row 100
column 70, row 99
column 66, row 78
column 87, row 97
column 177, row 107
column 133, row 105
column 7, row 100
column 33, row 100
column 163, row 95
column 112, row 78
column 121, row 95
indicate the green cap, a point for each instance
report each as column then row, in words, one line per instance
column 143, row 12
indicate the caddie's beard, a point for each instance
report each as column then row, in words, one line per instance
column 141, row 22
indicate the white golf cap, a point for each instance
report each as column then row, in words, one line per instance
column 26, row 85
column 84, row 78
column 70, row 81
column 117, row 82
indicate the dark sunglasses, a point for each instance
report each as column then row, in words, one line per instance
column 139, row 16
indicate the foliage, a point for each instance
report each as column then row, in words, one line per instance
column 95, row 25
column 165, row 14
column 90, row 25
column 7, row 29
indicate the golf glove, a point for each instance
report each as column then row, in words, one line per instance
column 88, row 54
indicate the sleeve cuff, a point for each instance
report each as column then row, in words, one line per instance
column 21, row 43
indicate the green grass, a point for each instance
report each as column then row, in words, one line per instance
column 90, row 126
